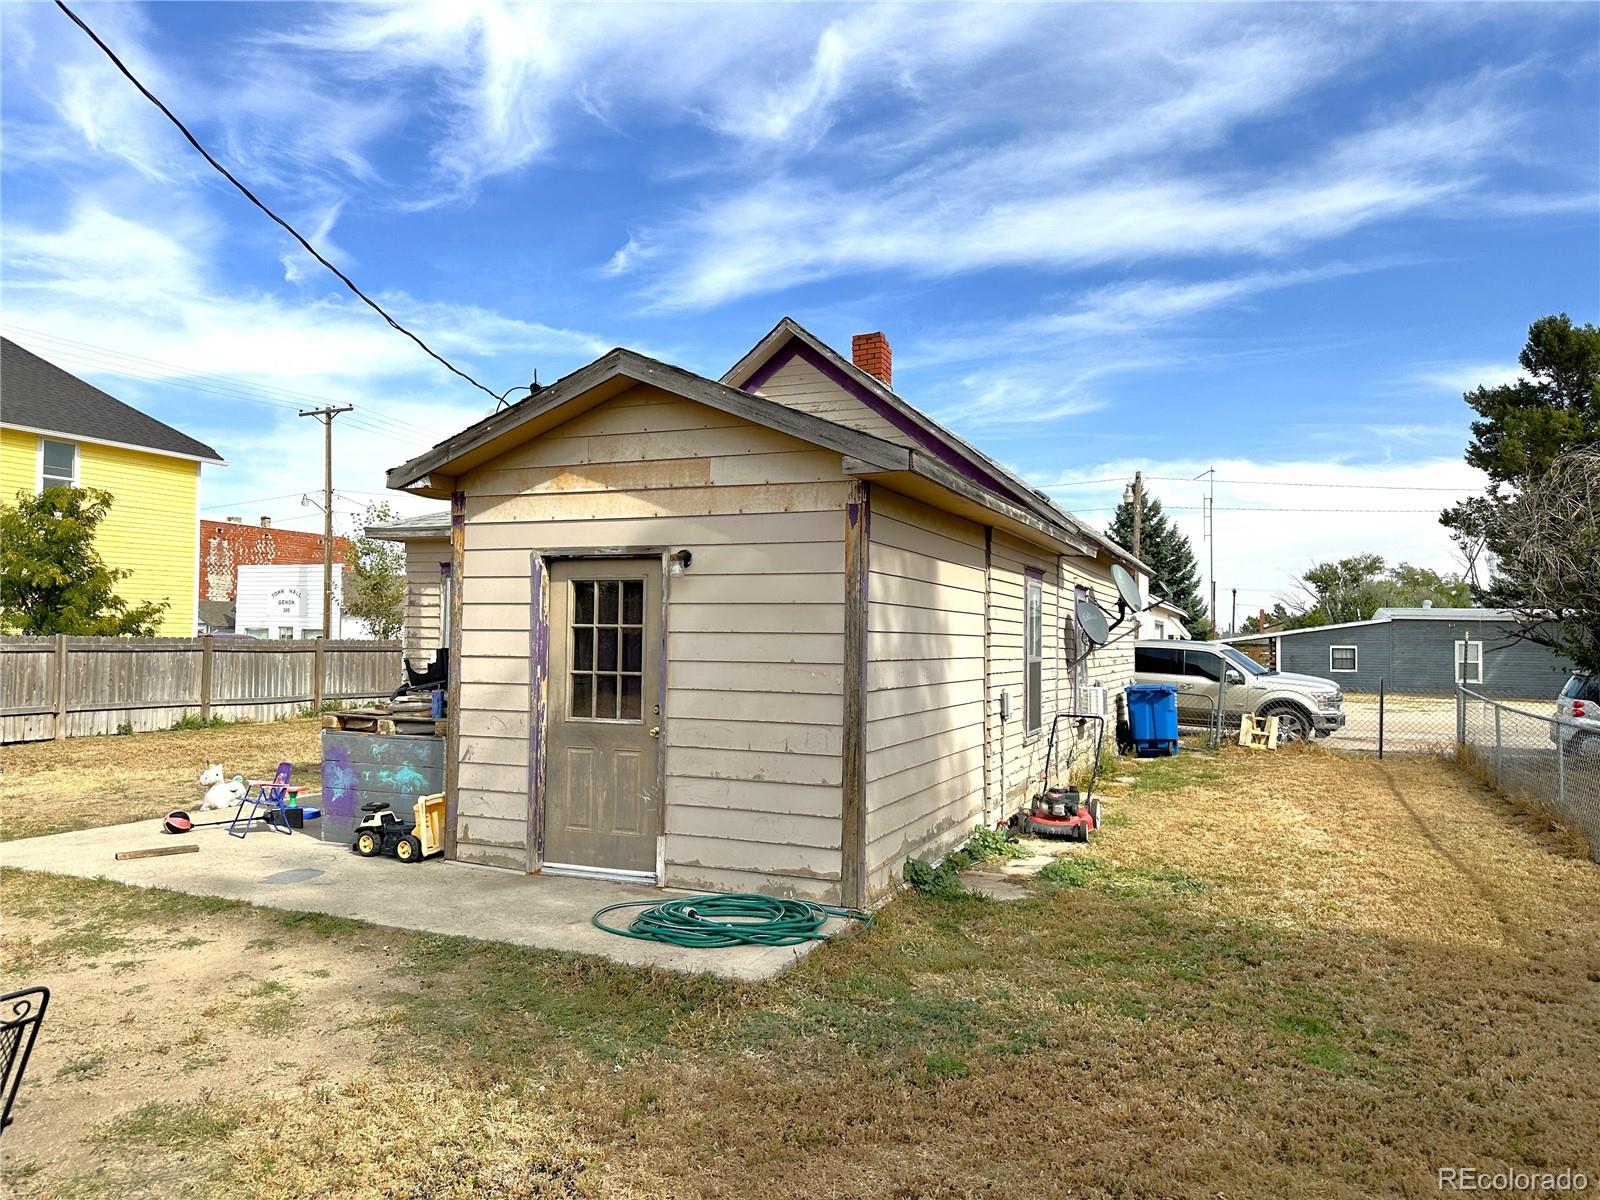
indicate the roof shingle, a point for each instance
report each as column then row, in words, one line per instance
column 36, row 394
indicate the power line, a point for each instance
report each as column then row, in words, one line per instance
column 218, row 385
column 128, row 363
column 250, row 196
column 1268, row 508
column 1376, row 487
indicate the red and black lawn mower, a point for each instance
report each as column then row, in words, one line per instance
column 1064, row 812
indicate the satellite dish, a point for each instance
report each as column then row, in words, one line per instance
column 1127, row 588
column 1092, row 622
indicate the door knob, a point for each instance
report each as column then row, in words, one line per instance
column 655, row 731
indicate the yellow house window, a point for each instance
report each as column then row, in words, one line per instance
column 58, row 464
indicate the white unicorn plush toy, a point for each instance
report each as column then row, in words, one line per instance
column 220, row 792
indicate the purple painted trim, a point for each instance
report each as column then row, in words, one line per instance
column 925, row 438
column 539, row 702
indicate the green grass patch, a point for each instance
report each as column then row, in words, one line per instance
column 80, row 1070
column 162, row 1123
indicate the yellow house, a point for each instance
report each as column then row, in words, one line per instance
column 55, row 429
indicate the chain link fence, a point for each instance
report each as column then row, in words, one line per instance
column 1551, row 761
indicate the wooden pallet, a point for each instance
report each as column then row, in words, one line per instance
column 381, row 720
column 1258, row 733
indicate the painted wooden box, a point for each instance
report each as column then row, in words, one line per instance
column 360, row 768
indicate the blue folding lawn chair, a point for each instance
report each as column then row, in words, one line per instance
column 268, row 797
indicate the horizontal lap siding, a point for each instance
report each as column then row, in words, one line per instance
column 1015, row 755
column 1109, row 666
column 424, row 592
column 800, row 385
column 753, row 723
column 924, row 731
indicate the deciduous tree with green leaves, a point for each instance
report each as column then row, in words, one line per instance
column 1354, row 588
column 375, row 588
column 1162, row 545
column 53, row 580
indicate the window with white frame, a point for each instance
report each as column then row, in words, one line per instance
column 1469, row 661
column 1033, row 655
column 1342, row 659
column 58, row 464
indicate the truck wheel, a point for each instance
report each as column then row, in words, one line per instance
column 1293, row 724
column 368, row 843
column 408, row 849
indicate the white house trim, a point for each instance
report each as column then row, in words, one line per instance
column 55, row 435
column 38, row 459
column 1355, row 660
column 1459, row 646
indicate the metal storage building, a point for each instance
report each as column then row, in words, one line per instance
column 1422, row 651
column 776, row 632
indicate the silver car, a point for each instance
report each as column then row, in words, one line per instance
column 1207, row 674
column 1578, row 716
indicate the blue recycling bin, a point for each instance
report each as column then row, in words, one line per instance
column 1153, row 718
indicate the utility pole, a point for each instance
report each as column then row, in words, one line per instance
column 326, row 416
column 1138, row 513
column 1208, row 526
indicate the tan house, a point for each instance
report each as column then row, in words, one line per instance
column 776, row 632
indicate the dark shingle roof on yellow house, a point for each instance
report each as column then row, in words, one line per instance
column 39, row 396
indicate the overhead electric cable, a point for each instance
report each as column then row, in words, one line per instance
column 251, row 196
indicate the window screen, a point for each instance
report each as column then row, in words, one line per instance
column 58, row 465
column 1033, row 677
column 1342, row 658
column 607, row 673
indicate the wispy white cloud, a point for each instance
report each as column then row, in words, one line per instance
column 1457, row 378
column 1289, row 514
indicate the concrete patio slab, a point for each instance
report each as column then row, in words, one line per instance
column 302, row 874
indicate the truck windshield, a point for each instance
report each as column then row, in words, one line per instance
column 1243, row 661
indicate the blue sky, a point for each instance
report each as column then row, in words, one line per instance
column 1280, row 240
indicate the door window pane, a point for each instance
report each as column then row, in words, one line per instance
column 582, row 694
column 1202, row 665
column 607, row 667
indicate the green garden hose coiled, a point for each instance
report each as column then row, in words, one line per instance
column 740, row 919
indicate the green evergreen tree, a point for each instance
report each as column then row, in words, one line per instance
column 1526, row 425
column 1162, row 545
column 53, row 580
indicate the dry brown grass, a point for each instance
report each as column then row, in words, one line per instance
column 1282, row 974
column 51, row 787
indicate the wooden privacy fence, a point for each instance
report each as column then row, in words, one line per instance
column 59, row 687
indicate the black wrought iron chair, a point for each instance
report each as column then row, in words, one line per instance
column 21, row 1014
column 435, row 675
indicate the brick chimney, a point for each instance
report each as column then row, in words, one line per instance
column 870, row 352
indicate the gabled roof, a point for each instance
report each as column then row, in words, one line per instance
column 38, row 396
column 433, row 473
column 789, row 338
